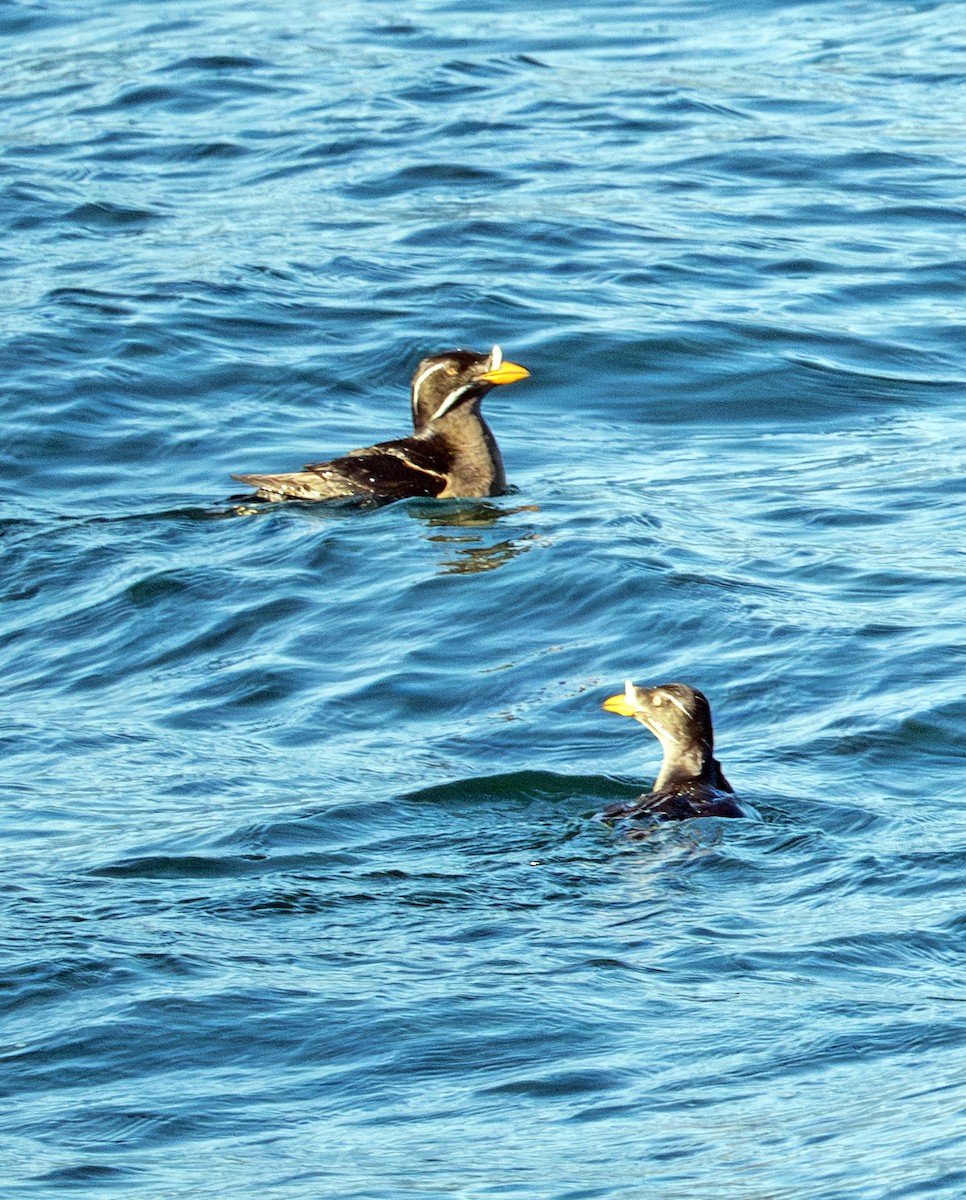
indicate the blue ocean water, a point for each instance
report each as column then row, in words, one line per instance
column 302, row 891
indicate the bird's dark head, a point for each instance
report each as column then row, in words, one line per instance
column 679, row 717
column 445, row 383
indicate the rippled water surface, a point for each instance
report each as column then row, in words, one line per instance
column 302, row 891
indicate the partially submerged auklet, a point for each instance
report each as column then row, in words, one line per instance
column 451, row 453
column 690, row 782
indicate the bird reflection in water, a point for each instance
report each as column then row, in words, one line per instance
column 471, row 553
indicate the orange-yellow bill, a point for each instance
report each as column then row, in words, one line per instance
column 506, row 372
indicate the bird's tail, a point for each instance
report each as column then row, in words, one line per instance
column 297, row 485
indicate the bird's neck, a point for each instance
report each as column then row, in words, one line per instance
column 690, row 763
column 477, row 468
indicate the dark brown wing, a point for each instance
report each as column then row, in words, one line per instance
column 720, row 782
column 300, row 485
column 389, row 471
column 677, row 804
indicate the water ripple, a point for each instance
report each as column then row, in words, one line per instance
column 300, row 801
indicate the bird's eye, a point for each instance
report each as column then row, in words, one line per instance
column 656, row 701
column 450, row 370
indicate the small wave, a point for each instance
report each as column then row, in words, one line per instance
column 104, row 216
column 831, row 367
column 521, row 786
column 217, row 63
column 238, row 866
column 436, row 175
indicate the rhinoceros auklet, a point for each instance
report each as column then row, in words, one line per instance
column 451, row 452
column 690, row 782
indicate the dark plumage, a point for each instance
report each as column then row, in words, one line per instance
column 450, row 453
column 690, row 782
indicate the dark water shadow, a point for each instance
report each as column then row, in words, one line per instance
column 459, row 527
column 515, row 786
column 462, row 529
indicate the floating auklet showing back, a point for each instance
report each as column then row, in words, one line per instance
column 690, row 782
column 451, row 453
